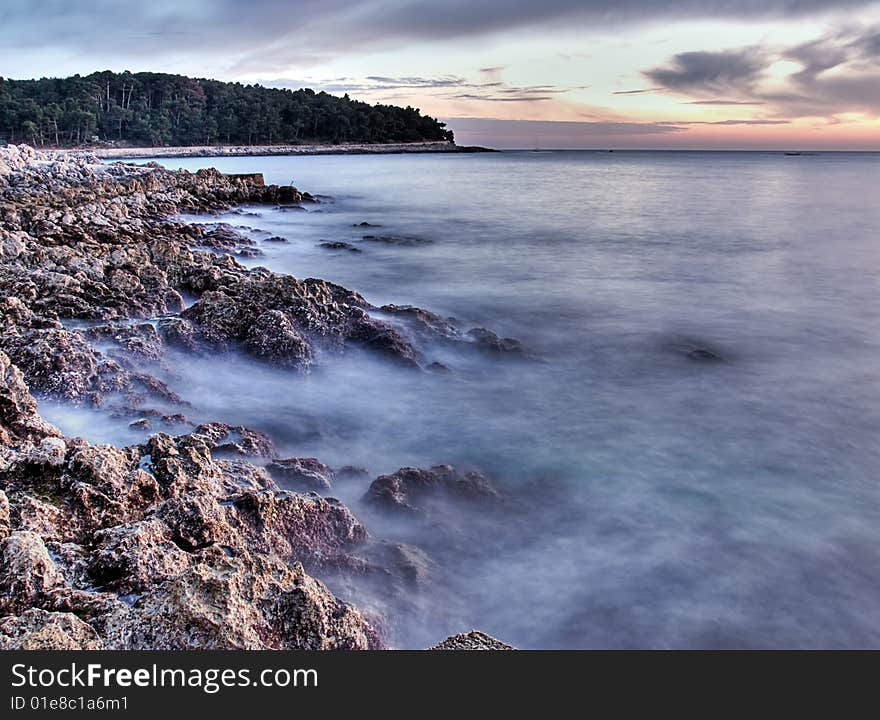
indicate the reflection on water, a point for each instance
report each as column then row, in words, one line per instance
column 658, row 497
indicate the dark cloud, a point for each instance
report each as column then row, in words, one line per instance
column 263, row 34
column 838, row 73
column 643, row 91
column 711, row 73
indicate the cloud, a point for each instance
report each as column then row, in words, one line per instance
column 838, row 73
column 489, row 98
column 259, row 35
column 710, row 73
column 643, row 91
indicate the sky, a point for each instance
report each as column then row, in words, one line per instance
column 713, row 74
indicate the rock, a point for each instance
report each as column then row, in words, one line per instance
column 339, row 246
column 301, row 474
column 401, row 490
column 226, row 239
column 425, row 324
column 473, row 640
column 703, row 355
column 27, row 573
column 490, row 342
column 19, row 421
column 272, row 337
column 4, row 516
column 399, row 240
column 37, row 629
column 140, row 424
column 235, row 440
column 276, row 239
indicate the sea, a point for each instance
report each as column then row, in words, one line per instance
column 688, row 452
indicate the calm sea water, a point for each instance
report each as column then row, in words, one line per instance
column 661, row 501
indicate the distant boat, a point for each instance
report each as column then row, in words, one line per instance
column 794, row 153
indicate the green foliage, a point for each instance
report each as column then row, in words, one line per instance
column 155, row 109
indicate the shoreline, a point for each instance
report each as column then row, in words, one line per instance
column 197, row 151
column 197, row 534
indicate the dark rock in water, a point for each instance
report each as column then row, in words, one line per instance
column 175, row 419
column 179, row 332
column 385, row 340
column 396, row 240
column 301, row 473
column 142, row 424
column 426, row 324
column 474, row 640
column 276, row 239
column 352, row 471
column 491, row 342
column 408, row 486
column 339, row 246
column 438, row 367
column 704, row 355
column 366, row 224
column 272, row 337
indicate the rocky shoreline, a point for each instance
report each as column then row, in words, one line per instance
column 269, row 150
column 200, row 537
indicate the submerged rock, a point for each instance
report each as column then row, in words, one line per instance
column 339, row 246
column 399, row 240
column 490, row 342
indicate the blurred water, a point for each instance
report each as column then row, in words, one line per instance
column 684, row 503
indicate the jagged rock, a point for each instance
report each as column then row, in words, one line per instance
column 492, row 343
column 473, row 640
column 339, row 246
column 27, row 573
column 408, row 486
column 4, row 516
column 301, row 473
column 235, row 440
column 400, row 240
column 19, row 421
column 272, row 337
column 426, row 324
column 38, row 629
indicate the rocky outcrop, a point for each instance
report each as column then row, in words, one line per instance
column 181, row 541
column 409, row 487
column 160, row 546
column 473, row 640
column 302, row 473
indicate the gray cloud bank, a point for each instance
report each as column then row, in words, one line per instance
column 264, row 34
column 839, row 73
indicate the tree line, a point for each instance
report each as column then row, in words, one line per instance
column 157, row 109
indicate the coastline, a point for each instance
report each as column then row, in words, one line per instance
column 122, row 153
column 201, row 535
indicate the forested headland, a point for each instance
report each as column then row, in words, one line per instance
column 156, row 109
